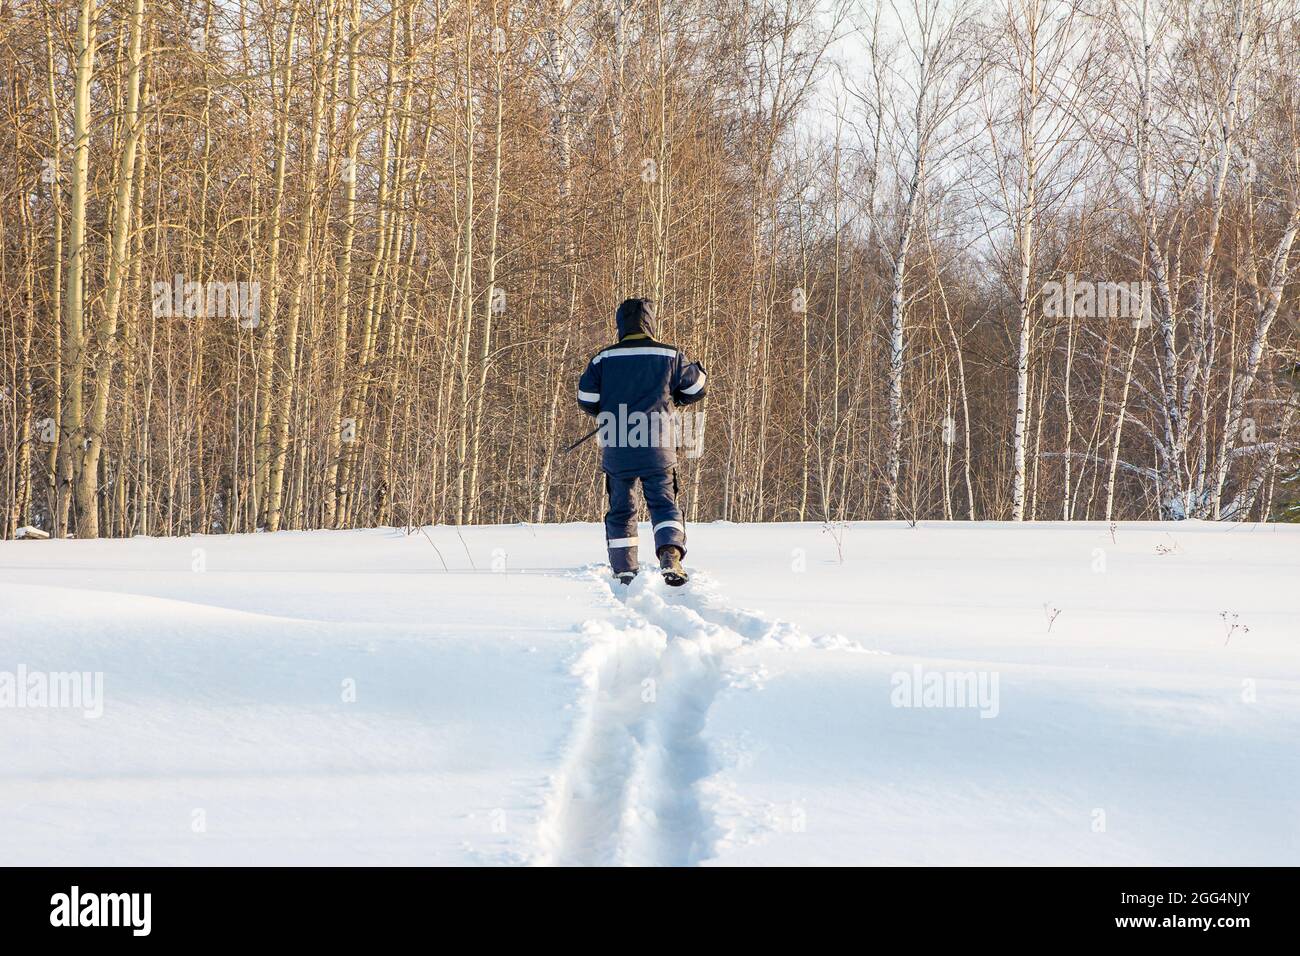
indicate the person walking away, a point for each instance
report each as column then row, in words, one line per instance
column 631, row 388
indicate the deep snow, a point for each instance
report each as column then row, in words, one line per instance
column 341, row 697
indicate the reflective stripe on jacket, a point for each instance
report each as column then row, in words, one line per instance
column 632, row 388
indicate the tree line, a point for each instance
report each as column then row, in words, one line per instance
column 270, row 264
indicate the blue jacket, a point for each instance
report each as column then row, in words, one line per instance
column 631, row 388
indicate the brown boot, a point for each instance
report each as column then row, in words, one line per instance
column 670, row 563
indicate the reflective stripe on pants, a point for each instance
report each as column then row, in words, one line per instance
column 660, row 490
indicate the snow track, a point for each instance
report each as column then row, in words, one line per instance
column 628, row 792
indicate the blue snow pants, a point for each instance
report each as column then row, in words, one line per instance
column 660, row 490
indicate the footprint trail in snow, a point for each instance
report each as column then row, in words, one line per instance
column 628, row 792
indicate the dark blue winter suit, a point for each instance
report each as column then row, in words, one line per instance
column 631, row 388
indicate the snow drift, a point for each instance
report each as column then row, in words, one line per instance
column 865, row 693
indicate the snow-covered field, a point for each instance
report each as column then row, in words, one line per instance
column 486, row 696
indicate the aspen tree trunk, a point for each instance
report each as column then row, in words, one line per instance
column 71, row 419
column 941, row 81
column 467, row 277
column 357, row 398
column 965, row 420
column 115, row 283
column 56, row 286
column 205, row 267
column 1119, row 424
column 490, row 303
column 262, row 439
column 558, row 62
column 334, row 446
column 897, row 340
column 1096, row 439
column 284, row 402
column 965, row 398
column 827, row 461
column 1045, row 381
column 619, row 13
column 1067, row 495
column 659, row 210
column 19, row 474
column 1193, row 504
column 130, row 336
column 1174, row 427
column 1026, row 218
column 395, row 278
column 805, row 440
column 947, row 442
